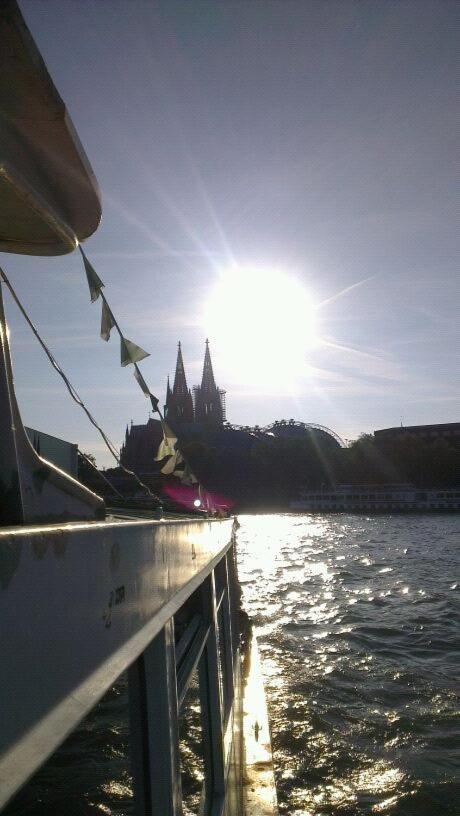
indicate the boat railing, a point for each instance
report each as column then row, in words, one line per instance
column 82, row 603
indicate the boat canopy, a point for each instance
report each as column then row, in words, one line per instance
column 49, row 197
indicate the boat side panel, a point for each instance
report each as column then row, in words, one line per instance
column 78, row 604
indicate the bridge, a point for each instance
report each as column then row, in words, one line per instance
column 286, row 427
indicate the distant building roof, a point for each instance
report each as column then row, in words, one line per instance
column 446, row 430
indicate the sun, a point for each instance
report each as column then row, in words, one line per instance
column 262, row 323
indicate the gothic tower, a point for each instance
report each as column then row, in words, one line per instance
column 179, row 403
column 209, row 399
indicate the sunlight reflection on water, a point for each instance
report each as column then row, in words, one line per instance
column 356, row 622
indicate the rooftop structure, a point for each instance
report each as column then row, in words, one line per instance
column 450, row 431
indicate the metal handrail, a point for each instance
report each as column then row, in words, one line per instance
column 117, row 586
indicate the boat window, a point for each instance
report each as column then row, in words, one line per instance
column 191, row 750
column 90, row 771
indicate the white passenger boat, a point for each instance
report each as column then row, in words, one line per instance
column 384, row 498
column 84, row 597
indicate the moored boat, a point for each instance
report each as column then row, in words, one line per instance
column 384, row 498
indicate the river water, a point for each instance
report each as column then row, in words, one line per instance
column 358, row 622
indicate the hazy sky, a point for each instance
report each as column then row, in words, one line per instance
column 309, row 138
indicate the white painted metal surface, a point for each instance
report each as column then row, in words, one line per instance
column 49, row 196
column 78, row 604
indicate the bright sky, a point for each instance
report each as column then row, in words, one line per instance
column 310, row 147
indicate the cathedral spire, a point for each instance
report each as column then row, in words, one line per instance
column 209, row 399
column 208, row 382
column 180, row 383
column 179, row 403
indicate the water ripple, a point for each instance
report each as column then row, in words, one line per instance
column 358, row 624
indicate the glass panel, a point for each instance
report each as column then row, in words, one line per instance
column 191, row 750
column 225, row 663
column 90, row 773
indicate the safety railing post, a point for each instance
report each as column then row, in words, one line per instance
column 227, row 640
column 234, row 590
column 154, row 729
column 211, row 706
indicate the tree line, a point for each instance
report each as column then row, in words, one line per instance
column 271, row 472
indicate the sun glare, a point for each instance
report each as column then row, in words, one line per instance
column 262, row 323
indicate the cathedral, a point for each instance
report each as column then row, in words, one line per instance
column 188, row 413
column 206, row 407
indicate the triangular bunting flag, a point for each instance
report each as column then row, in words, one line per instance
column 168, row 432
column 94, row 282
column 145, row 389
column 107, row 321
column 187, row 477
column 167, row 444
column 172, row 463
column 143, row 385
column 180, row 465
column 164, row 450
column 130, row 353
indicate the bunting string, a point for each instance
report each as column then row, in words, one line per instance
column 100, row 474
column 72, row 391
column 94, row 282
column 176, row 464
column 131, row 353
